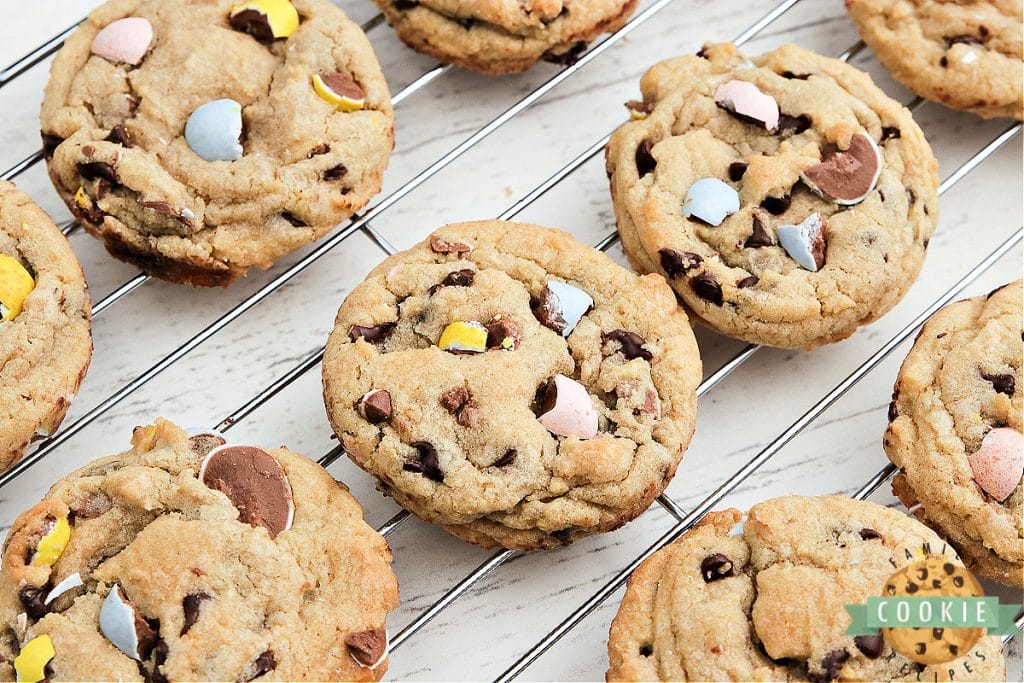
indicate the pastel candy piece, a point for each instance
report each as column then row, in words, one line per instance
column 124, row 41
column 265, row 20
column 213, row 130
column 747, row 102
column 69, row 583
column 846, row 177
column 467, row 337
column 710, row 200
column 254, row 482
column 30, row 664
column 567, row 409
column 805, row 243
column 339, row 90
column 15, row 285
column 123, row 626
column 52, row 544
column 562, row 306
column 999, row 464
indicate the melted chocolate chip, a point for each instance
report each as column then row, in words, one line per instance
column 191, row 605
column 254, row 23
column 376, row 406
column 759, row 237
column 367, row 647
column 426, row 462
column 50, row 144
column 98, row 169
column 265, row 663
column 706, row 287
column 748, row 281
column 645, row 161
column 1003, row 384
column 632, row 344
column 676, row 263
column 335, row 173
column 776, row 206
column 119, row 135
column 33, row 600
column 507, row 459
column 374, row 335
column 716, row 567
column 293, row 219
column 871, row 646
column 869, row 534
column 736, row 170
column 793, row 125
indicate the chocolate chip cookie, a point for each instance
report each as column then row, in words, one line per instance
column 512, row 384
column 965, row 54
column 955, row 431
column 504, row 36
column 189, row 559
column 760, row 597
column 45, row 339
column 787, row 199
column 199, row 140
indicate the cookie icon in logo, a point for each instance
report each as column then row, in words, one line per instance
column 933, row 576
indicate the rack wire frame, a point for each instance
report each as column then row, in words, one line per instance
column 362, row 223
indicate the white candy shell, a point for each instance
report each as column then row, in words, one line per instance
column 69, row 583
column 746, row 100
column 213, row 130
column 573, row 412
column 804, row 242
column 710, row 200
column 117, row 623
column 999, row 464
column 572, row 302
column 124, row 41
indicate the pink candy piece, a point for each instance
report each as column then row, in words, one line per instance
column 999, row 464
column 568, row 409
column 124, row 41
column 747, row 101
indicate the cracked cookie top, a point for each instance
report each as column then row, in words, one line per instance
column 955, row 430
column 760, row 597
column 512, row 384
column 198, row 141
column 45, row 339
column 188, row 559
column 787, row 199
column 966, row 54
column 503, row 36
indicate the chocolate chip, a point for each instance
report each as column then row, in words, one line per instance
column 676, row 263
column 293, row 219
column 776, row 206
column 958, row 581
column 832, row 664
column 563, row 536
column 1003, row 384
column 335, row 173
column 871, row 646
column 50, row 144
column 792, row 76
column 98, row 169
column 265, row 663
column 191, row 605
column 706, row 287
column 631, row 342
column 646, row 650
column 254, row 23
column 748, row 281
column 367, row 647
column 202, row 444
column 119, row 135
column 459, row 278
column 912, row 588
column 645, row 161
column 703, row 52
column 405, row 5
column 507, row 459
column 948, row 567
column 567, row 58
column 376, row 406
column 500, row 330
column 964, row 39
column 459, row 402
column 33, row 600
column 716, row 567
column 869, row 534
column 890, row 133
column 427, row 463
column 736, row 170
column 793, row 125
column 759, row 237
column 548, row 311
column 160, row 652
column 374, row 335
column 254, row 482
column 440, row 246
column 640, row 106
column 318, row 150
column 165, row 209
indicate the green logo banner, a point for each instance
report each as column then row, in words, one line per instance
column 937, row 611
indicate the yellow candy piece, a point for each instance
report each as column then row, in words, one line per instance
column 15, row 285
column 279, row 19
column 339, row 90
column 464, row 336
column 52, row 544
column 30, row 664
column 635, row 115
column 82, row 199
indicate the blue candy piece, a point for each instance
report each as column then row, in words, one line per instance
column 805, row 243
column 213, row 130
column 710, row 200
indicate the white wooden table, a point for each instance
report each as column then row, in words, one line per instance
column 505, row 613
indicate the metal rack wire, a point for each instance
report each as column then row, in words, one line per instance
column 683, row 519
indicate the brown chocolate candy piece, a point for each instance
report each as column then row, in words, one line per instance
column 165, row 209
column 548, row 311
column 374, row 335
column 846, row 177
column 94, row 170
column 640, row 107
column 342, row 85
column 459, row 402
column 119, row 135
column 190, row 605
column 33, row 599
column 736, row 170
column 632, row 344
column 507, row 459
column 204, row 443
column 336, row 172
column 367, row 647
column 441, row 246
column 776, row 206
column 426, row 463
column 748, row 281
column 255, row 484
column 676, row 263
column 499, row 330
column 706, row 287
column 253, row 22
column 265, row 663
column 1002, row 383
column 759, row 237
column 716, row 567
column 375, row 406
column 645, row 161
column 869, row 534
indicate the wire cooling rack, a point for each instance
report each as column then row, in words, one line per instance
column 681, row 518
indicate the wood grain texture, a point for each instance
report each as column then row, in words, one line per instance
column 504, row 615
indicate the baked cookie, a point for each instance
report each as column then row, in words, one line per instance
column 965, row 54
column 955, row 431
column 504, row 36
column 45, row 339
column 759, row 597
column 278, row 126
column 512, row 384
column 787, row 200
column 187, row 559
